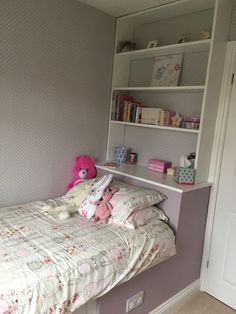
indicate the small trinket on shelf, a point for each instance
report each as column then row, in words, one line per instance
column 176, row 120
column 158, row 165
column 191, row 123
column 121, row 154
column 184, row 173
column 152, row 44
column 171, row 171
column 182, row 39
column 126, row 45
column 205, row 35
column 191, row 157
column 132, row 158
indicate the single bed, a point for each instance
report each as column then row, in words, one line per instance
column 52, row 266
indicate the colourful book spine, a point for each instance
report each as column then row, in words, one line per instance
column 138, row 114
column 161, row 117
column 113, row 108
column 171, row 115
column 125, row 111
column 133, row 113
column 129, row 112
column 166, row 117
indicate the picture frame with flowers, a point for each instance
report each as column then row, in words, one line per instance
column 167, row 70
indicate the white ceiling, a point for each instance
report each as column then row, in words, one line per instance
column 123, row 7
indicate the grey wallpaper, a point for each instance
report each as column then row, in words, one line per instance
column 232, row 31
column 55, row 75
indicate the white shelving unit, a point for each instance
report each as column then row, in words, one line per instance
column 197, row 93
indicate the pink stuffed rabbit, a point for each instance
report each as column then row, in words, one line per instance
column 103, row 211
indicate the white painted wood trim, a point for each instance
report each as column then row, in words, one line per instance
column 141, row 173
column 177, row 298
column 217, row 152
column 164, row 89
column 92, row 307
column 194, row 46
column 154, row 126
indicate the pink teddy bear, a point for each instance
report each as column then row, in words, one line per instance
column 84, row 169
column 103, row 211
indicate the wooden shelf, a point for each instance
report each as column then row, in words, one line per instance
column 164, row 89
column 194, row 46
column 166, row 128
column 141, row 173
column 169, row 10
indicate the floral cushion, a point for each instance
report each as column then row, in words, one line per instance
column 130, row 198
column 141, row 217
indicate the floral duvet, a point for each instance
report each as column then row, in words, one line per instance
column 53, row 266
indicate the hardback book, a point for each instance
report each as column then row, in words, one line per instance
column 166, row 70
column 150, row 115
column 120, row 106
column 138, row 114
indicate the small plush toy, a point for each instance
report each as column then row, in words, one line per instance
column 84, row 169
column 68, row 204
column 88, row 207
column 103, row 211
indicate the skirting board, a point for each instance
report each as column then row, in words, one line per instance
column 195, row 286
column 91, row 307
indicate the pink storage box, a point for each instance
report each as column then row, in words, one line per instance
column 158, row 165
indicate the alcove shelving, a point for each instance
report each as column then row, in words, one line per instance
column 197, row 88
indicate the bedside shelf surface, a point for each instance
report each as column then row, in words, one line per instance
column 141, row 173
column 164, row 89
column 166, row 128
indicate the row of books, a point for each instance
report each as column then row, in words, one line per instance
column 125, row 109
column 157, row 116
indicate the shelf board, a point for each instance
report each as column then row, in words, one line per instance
column 164, row 89
column 166, row 128
column 194, row 46
column 169, row 10
column 141, row 173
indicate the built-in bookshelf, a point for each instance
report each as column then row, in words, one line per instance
column 197, row 91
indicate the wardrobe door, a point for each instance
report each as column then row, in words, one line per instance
column 221, row 275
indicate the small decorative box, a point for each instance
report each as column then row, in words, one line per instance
column 158, row 165
column 185, row 175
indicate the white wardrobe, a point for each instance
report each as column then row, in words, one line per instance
column 219, row 271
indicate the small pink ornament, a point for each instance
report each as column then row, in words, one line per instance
column 176, row 120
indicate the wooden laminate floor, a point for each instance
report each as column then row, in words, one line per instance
column 200, row 303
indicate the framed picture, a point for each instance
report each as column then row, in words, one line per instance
column 152, row 44
column 166, row 70
column 182, row 39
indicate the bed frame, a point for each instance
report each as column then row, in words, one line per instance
column 187, row 212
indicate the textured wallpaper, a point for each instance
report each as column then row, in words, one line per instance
column 232, row 32
column 55, row 74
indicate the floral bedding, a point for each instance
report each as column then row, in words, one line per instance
column 53, row 266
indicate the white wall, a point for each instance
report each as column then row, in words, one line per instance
column 55, row 74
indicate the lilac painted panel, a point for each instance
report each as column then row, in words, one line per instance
column 168, row 278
